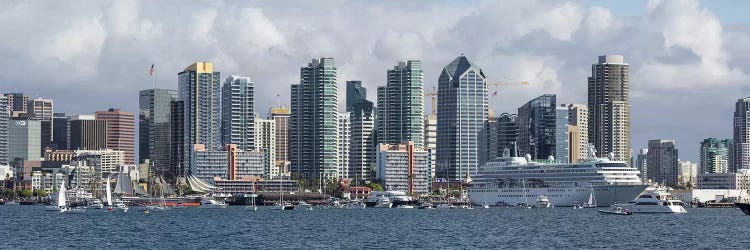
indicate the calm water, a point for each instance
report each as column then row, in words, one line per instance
column 32, row 227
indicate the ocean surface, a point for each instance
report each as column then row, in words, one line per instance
column 30, row 227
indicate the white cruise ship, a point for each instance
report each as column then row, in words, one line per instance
column 517, row 180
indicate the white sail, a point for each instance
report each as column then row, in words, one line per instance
column 592, row 201
column 61, row 202
column 109, row 194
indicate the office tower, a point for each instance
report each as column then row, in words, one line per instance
column 578, row 119
column 507, row 133
column 88, row 133
column 24, row 137
column 177, row 137
column 687, row 173
column 344, row 145
column 314, row 121
column 562, row 134
column 641, row 163
column 280, row 117
column 17, row 104
column 200, row 91
column 45, row 127
column 714, row 155
column 238, row 112
column 154, row 128
column 536, row 127
column 40, row 109
column 120, row 131
column 401, row 105
column 609, row 107
column 265, row 142
column 60, row 131
column 462, row 111
column 430, row 139
column 662, row 162
column 362, row 125
column 404, row 167
column 4, row 118
column 741, row 157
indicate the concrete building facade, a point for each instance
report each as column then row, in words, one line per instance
column 120, row 131
column 404, row 167
column 663, row 162
column 609, row 107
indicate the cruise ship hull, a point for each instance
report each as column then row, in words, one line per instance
column 559, row 197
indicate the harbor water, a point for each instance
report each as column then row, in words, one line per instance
column 30, row 227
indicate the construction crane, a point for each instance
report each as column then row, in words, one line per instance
column 434, row 93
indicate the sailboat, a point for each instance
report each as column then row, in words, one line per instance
column 119, row 205
column 592, row 200
column 163, row 205
column 282, row 205
column 62, row 202
column 252, row 207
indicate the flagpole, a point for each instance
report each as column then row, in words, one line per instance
column 153, row 82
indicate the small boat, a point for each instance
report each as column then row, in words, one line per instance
column 252, row 207
column 96, row 204
column 426, row 206
column 119, row 205
column 485, row 205
column 617, row 210
column 283, row 206
column 446, row 206
column 591, row 202
column 12, row 203
column 405, row 206
column 744, row 206
column 356, row 205
column 542, row 202
column 654, row 200
column 303, row 206
column 384, row 202
column 207, row 202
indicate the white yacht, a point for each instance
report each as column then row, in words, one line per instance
column 355, row 204
column 514, row 180
column 303, row 206
column 396, row 198
column 95, row 204
column 542, row 202
column 207, row 202
column 120, row 206
column 654, row 200
column 283, row 206
column 379, row 202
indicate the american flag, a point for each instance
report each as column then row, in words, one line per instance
column 494, row 93
column 151, row 70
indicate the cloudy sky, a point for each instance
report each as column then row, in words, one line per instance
column 689, row 60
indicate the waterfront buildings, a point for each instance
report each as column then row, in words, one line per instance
column 362, row 135
column 404, row 167
column 86, row 132
column 715, row 155
column 238, row 112
column 104, row 161
column 462, row 111
column 280, row 117
column 737, row 180
column 641, row 163
column 344, row 144
column 687, row 174
column 4, row 118
column 265, row 142
column 230, row 163
column 537, row 127
column 609, row 107
column 741, row 134
column 200, row 92
column 578, row 120
column 154, row 127
column 120, row 132
column 662, row 162
column 401, row 105
column 24, row 138
column 313, row 148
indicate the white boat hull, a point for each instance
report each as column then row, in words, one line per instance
column 653, row 209
column 560, row 197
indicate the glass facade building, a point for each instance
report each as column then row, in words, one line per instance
column 401, row 105
column 537, row 127
column 238, row 112
column 4, row 117
column 199, row 89
column 154, row 127
column 362, row 134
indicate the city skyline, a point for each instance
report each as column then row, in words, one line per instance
column 539, row 51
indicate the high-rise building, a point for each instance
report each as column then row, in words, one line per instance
column 362, row 125
column 562, row 134
column 17, row 104
column 507, row 133
column 609, row 107
column 741, row 157
column 715, row 155
column 281, row 119
column 86, row 132
column 687, row 174
column 40, row 109
column 400, row 110
column 120, row 132
column 177, row 137
column 430, row 139
column 238, row 112
column 404, row 167
column 60, row 131
column 641, row 163
column 227, row 163
column 536, row 127
column 462, row 111
column 314, row 122
column 200, row 91
column 154, row 128
column 24, row 137
column 578, row 119
column 662, row 162
column 265, row 142
column 4, row 117
column 344, row 144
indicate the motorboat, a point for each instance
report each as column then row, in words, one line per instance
column 303, row 206
column 394, row 197
column 95, row 204
column 542, row 202
column 355, row 204
column 617, row 210
column 207, row 202
column 405, row 206
column 485, row 205
column 654, row 200
column 426, row 206
column 251, row 208
column 383, row 202
column 446, row 206
column 283, row 206
column 119, row 205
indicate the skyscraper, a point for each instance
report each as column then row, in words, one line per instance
column 362, row 124
column 715, row 155
column 314, row 124
column 281, row 119
column 562, row 134
column 199, row 89
column 741, row 159
column 60, row 131
column 40, row 109
column 662, row 162
column 401, row 105
column 430, row 139
column 536, row 127
column 154, row 127
column 177, row 136
column 343, row 144
column 17, row 104
column 462, row 111
column 641, row 163
column 238, row 112
column 4, row 117
column 578, row 119
column 24, row 140
column 87, row 133
column 609, row 107
column 120, row 132
column 265, row 142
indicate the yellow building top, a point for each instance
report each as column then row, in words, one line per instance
column 201, row 67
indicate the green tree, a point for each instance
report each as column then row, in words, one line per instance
column 41, row 193
column 26, row 193
column 375, row 187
